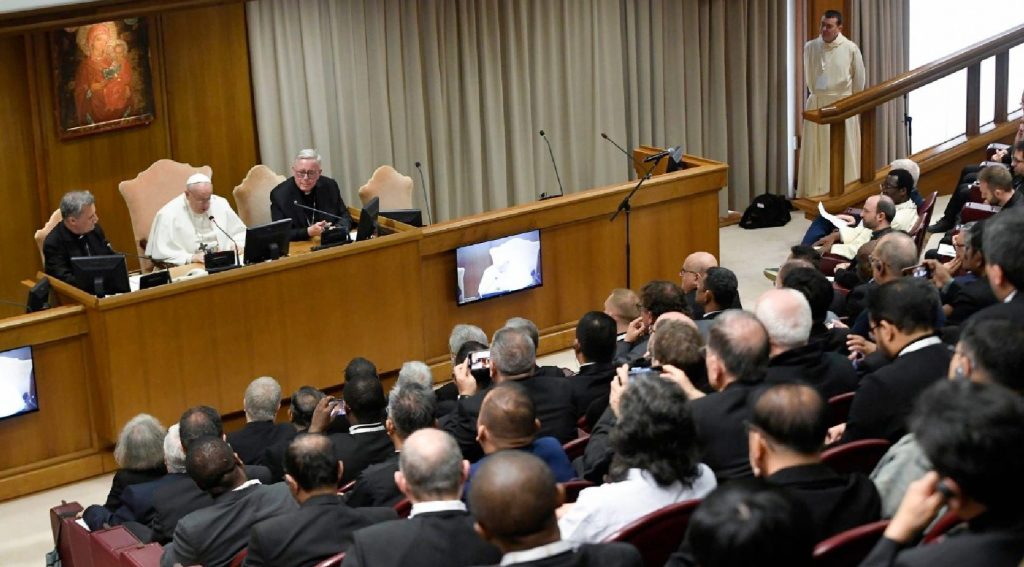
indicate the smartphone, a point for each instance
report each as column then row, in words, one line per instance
column 480, row 360
column 918, row 271
column 339, row 409
column 643, row 373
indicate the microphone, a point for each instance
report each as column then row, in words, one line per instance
column 217, row 224
column 324, row 213
column 621, row 149
column 426, row 199
column 661, row 154
column 554, row 165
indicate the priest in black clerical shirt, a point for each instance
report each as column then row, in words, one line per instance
column 311, row 189
column 78, row 234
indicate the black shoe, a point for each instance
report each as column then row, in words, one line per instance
column 944, row 225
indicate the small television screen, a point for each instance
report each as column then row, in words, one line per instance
column 368, row 220
column 267, row 241
column 101, row 275
column 17, row 383
column 498, row 267
column 411, row 217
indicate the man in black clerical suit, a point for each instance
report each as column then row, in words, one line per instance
column 972, row 434
column 78, row 234
column 716, row 292
column 439, row 530
column 300, row 414
column 786, row 315
column 594, row 347
column 308, row 187
column 656, row 298
column 525, row 528
column 363, row 407
column 261, row 402
column 1004, row 265
column 410, row 409
column 323, row 524
column 902, row 315
column 531, row 329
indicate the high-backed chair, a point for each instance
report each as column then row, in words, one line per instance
column 252, row 195
column 393, row 188
column 924, row 218
column 42, row 233
column 109, row 544
column 659, row 533
column 152, row 189
column 849, row 548
column 856, row 456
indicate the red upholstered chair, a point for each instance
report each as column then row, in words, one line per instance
column 856, row 456
column 576, row 447
column 574, row 487
column 659, row 533
column 849, row 548
column 239, row 558
column 940, row 528
column 68, row 535
column 839, row 408
column 332, row 561
column 582, row 424
column 403, row 507
column 924, row 218
column 108, row 545
column 147, row 555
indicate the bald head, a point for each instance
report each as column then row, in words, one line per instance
column 675, row 316
column 508, row 417
column 312, row 462
column 431, row 466
column 786, row 316
column 502, row 514
column 896, row 252
column 695, row 267
column 793, row 415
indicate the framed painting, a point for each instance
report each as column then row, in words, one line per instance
column 102, row 77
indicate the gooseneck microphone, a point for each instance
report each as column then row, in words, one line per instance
column 561, row 191
column 220, row 228
column 324, row 213
column 426, row 199
column 621, row 149
column 661, row 154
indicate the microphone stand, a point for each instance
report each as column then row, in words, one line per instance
column 624, row 207
column 908, row 122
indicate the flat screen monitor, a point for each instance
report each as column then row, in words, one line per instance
column 498, row 267
column 101, row 275
column 268, row 241
column 368, row 220
column 17, row 383
column 411, row 217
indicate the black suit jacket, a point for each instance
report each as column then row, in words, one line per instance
column 376, row 485
column 61, row 245
column 426, row 540
column 251, row 441
column 967, row 299
column 553, row 399
column 835, row 502
column 327, row 197
column 593, row 555
column 885, row 397
column 830, row 373
column 360, row 450
column 981, row 544
column 460, row 423
column 721, row 429
column 591, row 385
column 320, row 528
column 124, row 478
column 1012, row 311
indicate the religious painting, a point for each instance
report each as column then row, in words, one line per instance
column 102, row 77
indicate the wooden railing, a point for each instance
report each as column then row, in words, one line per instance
column 865, row 103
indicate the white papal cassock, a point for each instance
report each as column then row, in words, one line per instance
column 178, row 233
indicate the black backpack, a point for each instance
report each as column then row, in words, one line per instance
column 766, row 210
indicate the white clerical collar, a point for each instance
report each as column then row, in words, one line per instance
column 365, row 428
column 920, row 344
column 437, row 506
column 1010, row 297
column 247, row 484
column 536, row 553
column 840, row 38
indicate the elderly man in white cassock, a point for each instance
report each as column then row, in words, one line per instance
column 194, row 223
column 833, row 70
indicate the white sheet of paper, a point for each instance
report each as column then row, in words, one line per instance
column 839, row 223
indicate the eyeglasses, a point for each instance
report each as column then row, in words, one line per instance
column 306, row 174
column 684, row 271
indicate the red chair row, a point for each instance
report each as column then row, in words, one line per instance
column 78, row 547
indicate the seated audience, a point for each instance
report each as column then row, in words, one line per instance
column 323, row 524
column 410, row 408
column 736, row 357
column 964, row 296
column 363, row 407
column 526, row 529
column 460, row 335
column 261, row 403
column 972, row 434
column 439, row 530
column 534, row 333
column 595, row 348
column 786, row 315
column 656, row 297
column 746, row 523
column 997, row 187
column 988, row 352
column 622, row 305
column 213, row 535
column 894, row 253
column 414, row 372
column 300, row 414
column 1004, row 266
column 903, row 321
column 139, row 453
column 508, row 422
column 656, row 461
column 695, row 267
column 818, row 291
column 716, row 292
column 878, row 214
column 78, row 234
column 787, row 432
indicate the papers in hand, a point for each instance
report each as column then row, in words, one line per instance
column 838, row 222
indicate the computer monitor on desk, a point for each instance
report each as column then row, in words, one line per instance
column 101, row 275
column 411, row 217
column 368, row 220
column 267, row 242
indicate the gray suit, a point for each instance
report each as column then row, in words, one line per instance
column 213, row 535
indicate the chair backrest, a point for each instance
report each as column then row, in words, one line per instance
column 941, row 527
column 839, row 408
column 573, row 488
column 239, row 558
column 659, row 533
column 393, row 188
column 41, row 234
column 576, row 447
column 332, row 561
column 403, row 507
column 147, row 555
column 924, row 218
column 108, row 545
column 856, row 456
column 152, row 189
column 252, row 195
column 849, row 548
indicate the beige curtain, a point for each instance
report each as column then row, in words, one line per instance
column 883, row 33
column 465, row 87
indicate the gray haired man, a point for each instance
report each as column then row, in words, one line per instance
column 311, row 200
column 78, row 234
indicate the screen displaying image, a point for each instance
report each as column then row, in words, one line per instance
column 17, row 383
column 498, row 267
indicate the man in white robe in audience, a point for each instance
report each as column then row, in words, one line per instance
column 833, row 69
column 183, row 231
